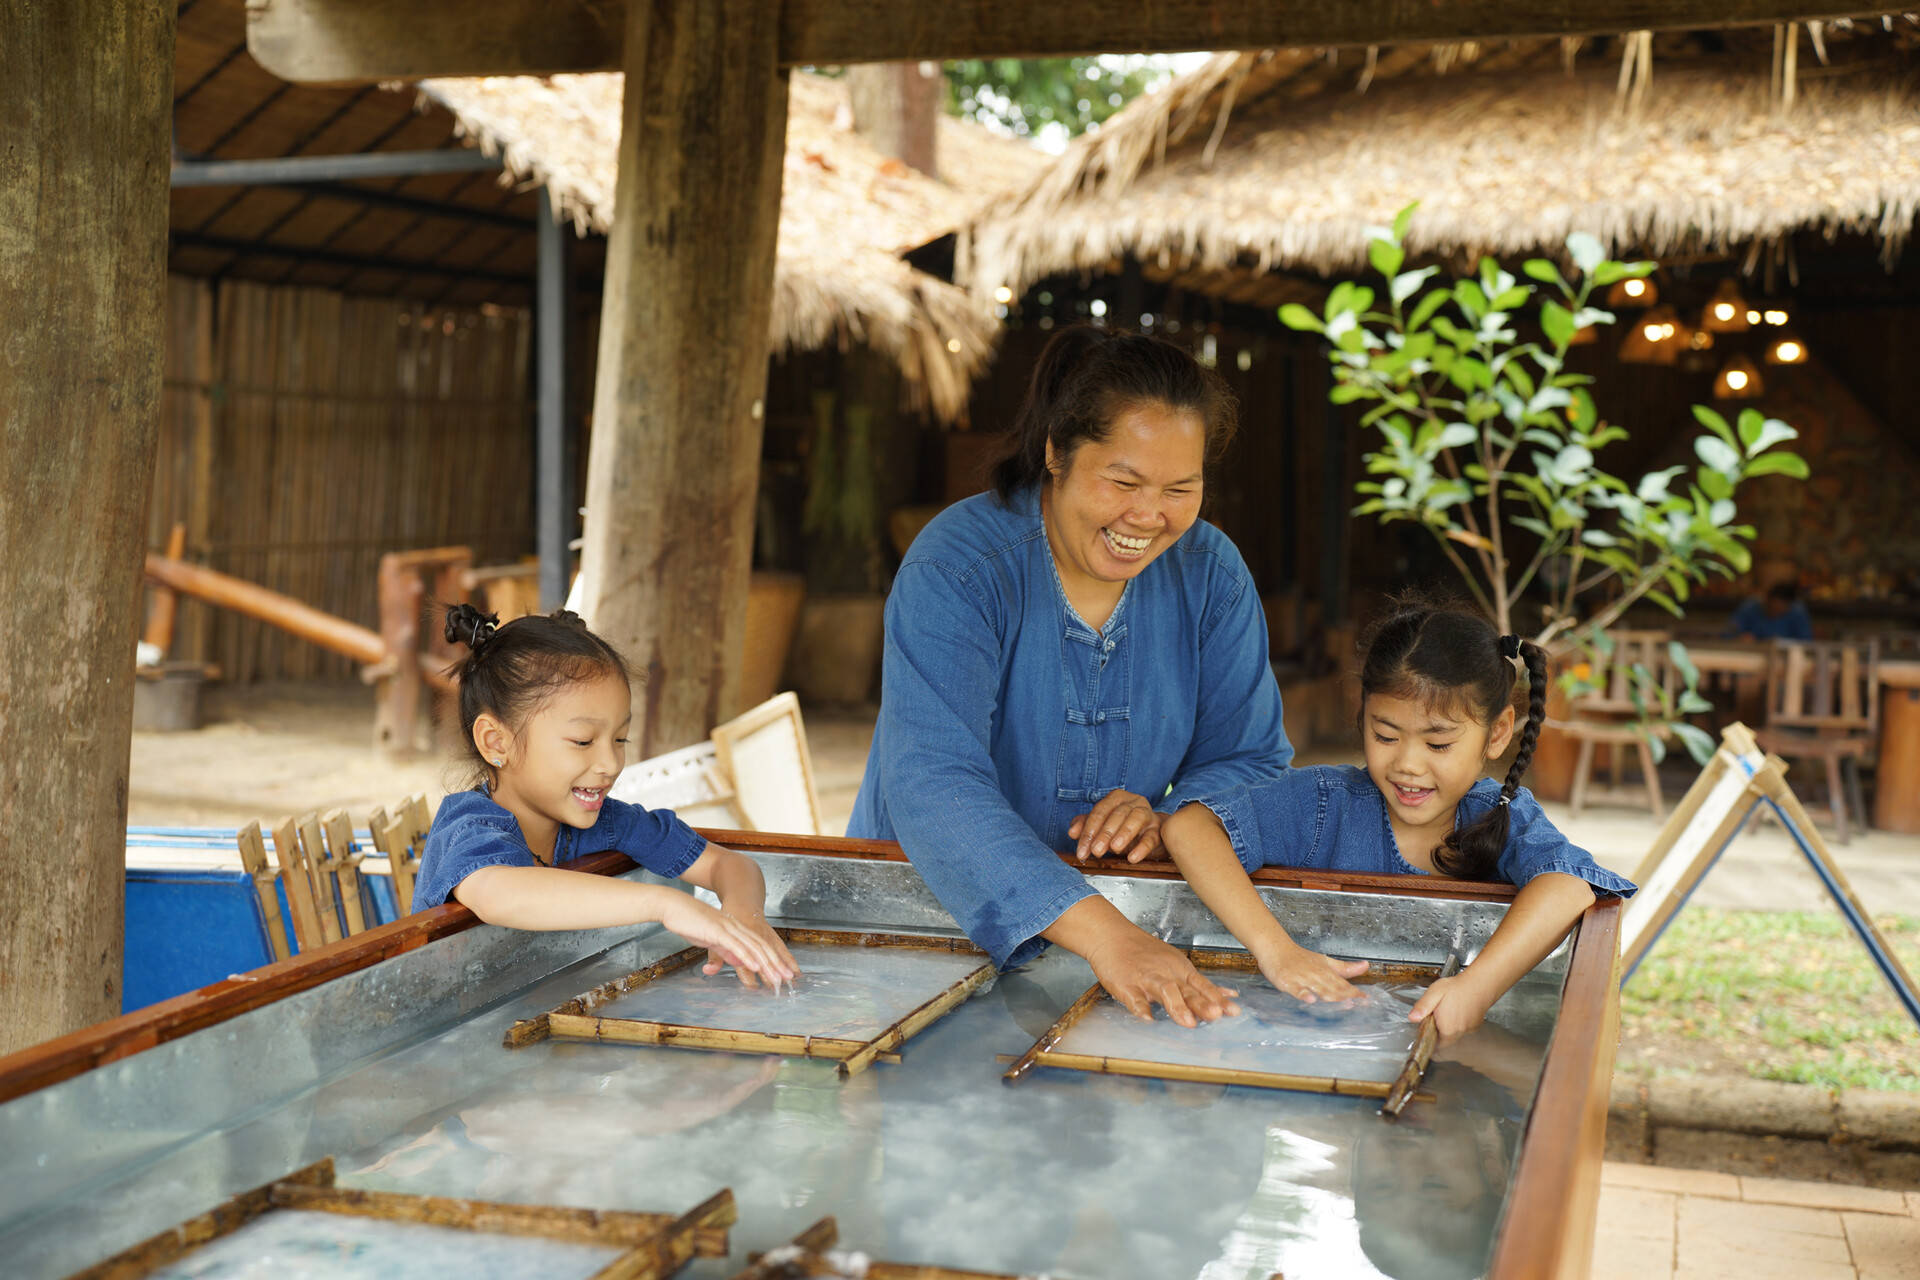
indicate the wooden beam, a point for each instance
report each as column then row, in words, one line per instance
column 365, row 41
column 83, row 223
column 678, row 401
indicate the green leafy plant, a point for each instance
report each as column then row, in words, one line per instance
column 1484, row 431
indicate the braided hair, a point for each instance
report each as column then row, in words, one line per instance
column 1086, row 377
column 513, row 668
column 1446, row 655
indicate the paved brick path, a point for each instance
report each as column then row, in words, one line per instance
column 1679, row 1224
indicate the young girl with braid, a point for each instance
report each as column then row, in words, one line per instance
column 1437, row 690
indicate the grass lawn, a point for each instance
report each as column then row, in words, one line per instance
column 1788, row 995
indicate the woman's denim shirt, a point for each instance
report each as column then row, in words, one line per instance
column 1333, row 818
column 1003, row 716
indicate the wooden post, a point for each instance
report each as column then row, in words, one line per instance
column 86, row 97
column 673, row 471
column 396, row 724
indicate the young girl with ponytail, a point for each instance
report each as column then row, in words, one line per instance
column 544, row 707
column 1436, row 689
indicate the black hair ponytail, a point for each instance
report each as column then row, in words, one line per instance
column 1446, row 654
column 1085, row 377
column 1473, row 852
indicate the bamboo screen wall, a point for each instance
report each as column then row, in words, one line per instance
column 304, row 433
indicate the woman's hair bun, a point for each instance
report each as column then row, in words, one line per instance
column 568, row 617
column 467, row 625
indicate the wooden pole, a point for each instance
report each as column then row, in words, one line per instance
column 1075, row 1011
column 86, row 97
column 673, row 470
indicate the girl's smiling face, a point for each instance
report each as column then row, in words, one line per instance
column 565, row 756
column 1423, row 758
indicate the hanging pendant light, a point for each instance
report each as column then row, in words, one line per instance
column 1654, row 339
column 1727, row 311
column 1634, row 291
column 1786, row 349
column 1738, row 380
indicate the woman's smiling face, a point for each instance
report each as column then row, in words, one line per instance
column 1118, row 503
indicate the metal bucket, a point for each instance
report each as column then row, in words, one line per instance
column 166, row 698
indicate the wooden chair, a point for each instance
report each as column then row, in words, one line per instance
column 1601, row 719
column 1823, row 701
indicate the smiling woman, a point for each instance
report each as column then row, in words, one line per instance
column 1069, row 658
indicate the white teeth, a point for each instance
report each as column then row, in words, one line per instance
column 1125, row 543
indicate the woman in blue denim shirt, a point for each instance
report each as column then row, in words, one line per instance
column 1436, row 704
column 1069, row 658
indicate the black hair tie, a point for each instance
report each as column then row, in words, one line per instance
column 467, row 625
column 1509, row 646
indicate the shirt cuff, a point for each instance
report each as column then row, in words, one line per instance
column 1023, row 942
column 1604, row 882
column 1230, row 822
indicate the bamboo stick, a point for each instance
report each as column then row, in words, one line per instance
column 320, row 869
column 253, row 856
column 1217, row 1075
column 777, row 1263
column 1051, row 1036
column 1402, row 1090
column 595, row 1226
column 845, row 938
column 293, row 874
column 1378, row 971
column 918, row 1020
column 347, row 856
column 573, row 1026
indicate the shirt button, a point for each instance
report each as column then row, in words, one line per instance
column 1099, row 717
column 1109, row 646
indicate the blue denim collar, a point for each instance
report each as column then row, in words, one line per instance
column 1060, row 586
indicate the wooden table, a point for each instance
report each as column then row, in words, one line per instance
column 1896, row 804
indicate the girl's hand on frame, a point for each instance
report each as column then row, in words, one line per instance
column 1308, row 976
column 1120, row 822
column 755, row 924
column 1456, row 1005
column 732, row 940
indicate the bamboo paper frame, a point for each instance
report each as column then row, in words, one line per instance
column 1044, row 1054
column 656, row 1244
column 802, row 1258
column 576, row 1019
column 754, row 790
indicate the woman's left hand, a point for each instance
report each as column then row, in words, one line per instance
column 1121, row 822
column 1455, row 1004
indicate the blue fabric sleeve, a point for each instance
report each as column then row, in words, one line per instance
column 939, row 680
column 654, row 838
column 1274, row 822
column 1239, row 735
column 463, row 839
column 1535, row 847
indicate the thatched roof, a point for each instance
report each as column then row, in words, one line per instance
column 846, row 213
column 1259, row 162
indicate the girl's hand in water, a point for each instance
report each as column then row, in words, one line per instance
column 757, row 925
column 1308, row 976
column 1457, row 1005
column 750, row 951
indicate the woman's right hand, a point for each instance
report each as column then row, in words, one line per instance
column 1139, row 971
column 732, row 940
column 1308, row 976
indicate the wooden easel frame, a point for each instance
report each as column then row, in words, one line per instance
column 802, row 1257
column 1045, row 1054
column 1736, row 781
column 728, row 737
column 576, row 1019
column 656, row 1244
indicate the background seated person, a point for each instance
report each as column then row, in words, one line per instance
column 1780, row 615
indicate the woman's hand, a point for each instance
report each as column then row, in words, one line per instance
column 1308, row 976
column 1457, row 1005
column 748, row 949
column 1140, row 971
column 1121, row 822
